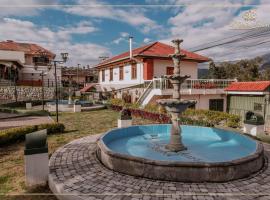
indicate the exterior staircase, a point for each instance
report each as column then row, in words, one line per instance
column 145, row 93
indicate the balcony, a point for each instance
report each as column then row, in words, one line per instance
column 194, row 86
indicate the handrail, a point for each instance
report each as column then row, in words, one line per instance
column 163, row 83
column 146, row 92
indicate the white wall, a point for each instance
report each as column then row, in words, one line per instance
column 12, row 55
column 203, row 100
column 116, row 83
column 187, row 68
column 27, row 71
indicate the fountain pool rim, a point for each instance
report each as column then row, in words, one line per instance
column 198, row 171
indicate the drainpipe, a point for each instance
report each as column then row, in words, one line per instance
column 130, row 47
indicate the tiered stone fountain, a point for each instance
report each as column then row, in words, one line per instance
column 176, row 105
column 157, row 151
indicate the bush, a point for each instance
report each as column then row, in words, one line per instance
column 22, row 103
column 8, row 136
column 214, row 117
column 155, row 112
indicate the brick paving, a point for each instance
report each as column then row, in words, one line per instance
column 76, row 173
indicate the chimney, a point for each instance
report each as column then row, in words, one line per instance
column 130, row 46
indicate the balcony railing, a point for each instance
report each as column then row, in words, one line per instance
column 163, row 84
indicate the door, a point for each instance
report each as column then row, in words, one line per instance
column 169, row 71
column 216, row 104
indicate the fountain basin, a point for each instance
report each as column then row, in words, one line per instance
column 212, row 155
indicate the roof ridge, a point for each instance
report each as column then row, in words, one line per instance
column 147, row 47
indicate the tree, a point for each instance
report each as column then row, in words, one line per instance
column 243, row 70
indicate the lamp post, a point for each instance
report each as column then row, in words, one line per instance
column 78, row 76
column 42, row 60
column 42, row 89
column 64, row 59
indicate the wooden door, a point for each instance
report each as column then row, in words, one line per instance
column 169, row 71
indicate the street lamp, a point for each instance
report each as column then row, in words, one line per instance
column 42, row 74
column 78, row 76
column 64, row 59
column 42, row 59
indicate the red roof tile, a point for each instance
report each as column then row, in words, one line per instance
column 156, row 49
column 27, row 48
column 88, row 87
column 248, row 86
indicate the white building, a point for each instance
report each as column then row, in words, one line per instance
column 139, row 73
column 24, row 62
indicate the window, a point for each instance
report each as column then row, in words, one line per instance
column 111, row 74
column 41, row 60
column 133, row 71
column 121, row 73
column 103, row 75
column 216, row 104
column 258, row 107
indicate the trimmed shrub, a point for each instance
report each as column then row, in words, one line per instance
column 154, row 112
column 8, row 136
column 22, row 103
column 52, row 128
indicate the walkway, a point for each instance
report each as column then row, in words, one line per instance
column 24, row 121
column 75, row 172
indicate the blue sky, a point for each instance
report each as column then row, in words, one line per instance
column 88, row 29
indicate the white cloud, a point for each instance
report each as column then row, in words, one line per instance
column 97, row 9
column 56, row 41
column 23, row 7
column 146, row 40
column 209, row 21
column 123, row 37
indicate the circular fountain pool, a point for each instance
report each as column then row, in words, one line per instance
column 212, row 154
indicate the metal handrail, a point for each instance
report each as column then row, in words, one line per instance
column 146, row 92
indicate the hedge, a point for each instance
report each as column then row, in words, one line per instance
column 9, row 136
column 22, row 103
column 189, row 117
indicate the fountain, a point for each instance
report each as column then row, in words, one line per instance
column 176, row 105
column 180, row 153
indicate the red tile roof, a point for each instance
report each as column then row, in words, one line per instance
column 27, row 48
column 88, row 87
column 248, row 86
column 156, row 49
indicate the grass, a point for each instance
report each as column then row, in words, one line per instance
column 77, row 125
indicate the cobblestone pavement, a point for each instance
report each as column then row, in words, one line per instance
column 24, row 121
column 76, row 173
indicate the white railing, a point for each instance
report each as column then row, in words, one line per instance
column 162, row 83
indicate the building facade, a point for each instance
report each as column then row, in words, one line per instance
column 140, row 73
column 25, row 62
column 79, row 76
column 253, row 97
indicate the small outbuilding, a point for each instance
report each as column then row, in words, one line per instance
column 247, row 97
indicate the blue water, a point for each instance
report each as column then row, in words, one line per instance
column 203, row 144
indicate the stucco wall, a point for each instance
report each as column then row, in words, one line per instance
column 7, row 94
column 187, row 68
column 127, row 76
column 203, row 100
column 28, row 73
column 12, row 55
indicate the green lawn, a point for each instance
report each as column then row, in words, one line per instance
column 77, row 125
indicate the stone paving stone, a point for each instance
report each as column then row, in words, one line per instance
column 76, row 167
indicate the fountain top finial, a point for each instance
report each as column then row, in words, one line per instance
column 177, row 43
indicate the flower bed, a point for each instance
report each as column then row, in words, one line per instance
column 189, row 117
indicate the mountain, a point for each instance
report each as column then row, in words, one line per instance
column 266, row 61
